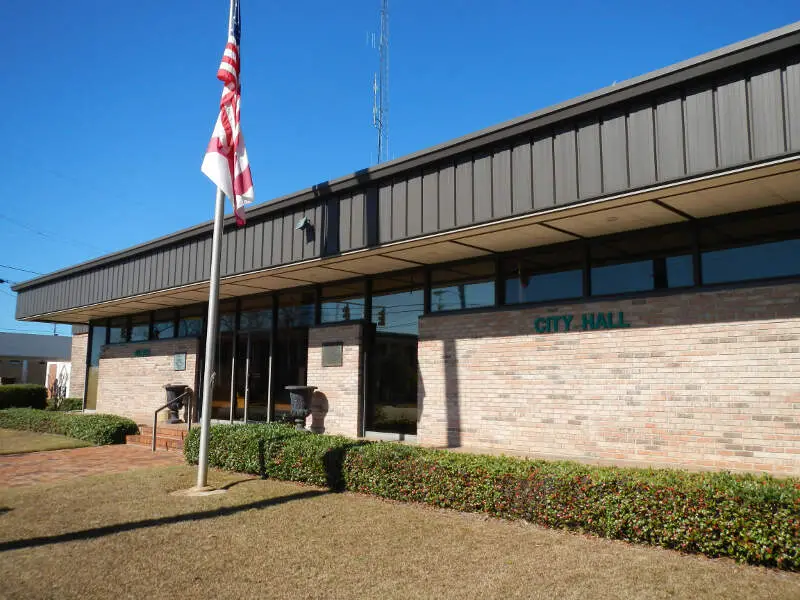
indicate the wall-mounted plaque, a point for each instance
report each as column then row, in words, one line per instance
column 179, row 361
column 141, row 352
column 332, row 354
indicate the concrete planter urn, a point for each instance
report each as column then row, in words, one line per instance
column 300, row 398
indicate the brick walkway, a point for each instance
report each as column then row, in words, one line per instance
column 42, row 467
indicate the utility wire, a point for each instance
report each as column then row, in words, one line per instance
column 50, row 235
column 20, row 269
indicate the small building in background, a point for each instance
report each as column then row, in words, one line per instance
column 24, row 357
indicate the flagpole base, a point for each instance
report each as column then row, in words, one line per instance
column 195, row 491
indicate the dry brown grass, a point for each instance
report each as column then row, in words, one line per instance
column 116, row 536
column 17, row 442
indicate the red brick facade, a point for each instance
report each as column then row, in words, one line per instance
column 77, row 378
column 336, row 405
column 133, row 385
column 705, row 380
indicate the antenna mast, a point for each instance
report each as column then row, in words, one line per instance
column 380, row 87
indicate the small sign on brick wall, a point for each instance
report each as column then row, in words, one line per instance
column 179, row 361
column 332, row 354
column 141, row 352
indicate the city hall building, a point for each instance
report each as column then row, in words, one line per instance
column 615, row 278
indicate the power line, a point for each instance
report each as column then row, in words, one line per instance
column 50, row 235
column 20, row 269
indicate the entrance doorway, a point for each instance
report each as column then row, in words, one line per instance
column 290, row 367
column 392, row 384
column 253, row 352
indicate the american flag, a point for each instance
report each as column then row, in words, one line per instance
column 225, row 162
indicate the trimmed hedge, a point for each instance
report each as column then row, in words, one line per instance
column 64, row 404
column 754, row 519
column 93, row 428
column 23, row 395
column 274, row 450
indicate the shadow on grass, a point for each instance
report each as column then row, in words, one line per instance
column 98, row 532
column 4, row 510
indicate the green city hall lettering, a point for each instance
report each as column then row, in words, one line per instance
column 584, row 322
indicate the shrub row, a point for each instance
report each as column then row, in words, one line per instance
column 93, row 428
column 64, row 404
column 754, row 519
column 23, row 395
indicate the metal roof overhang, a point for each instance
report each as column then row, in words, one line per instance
column 756, row 186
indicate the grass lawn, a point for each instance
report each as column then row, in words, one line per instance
column 124, row 536
column 15, row 442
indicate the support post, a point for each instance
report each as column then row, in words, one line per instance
column 211, row 340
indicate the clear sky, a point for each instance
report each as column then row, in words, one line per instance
column 108, row 105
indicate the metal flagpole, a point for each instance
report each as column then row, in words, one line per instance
column 211, row 339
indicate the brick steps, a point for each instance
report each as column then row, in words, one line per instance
column 168, row 437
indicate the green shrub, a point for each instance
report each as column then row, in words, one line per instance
column 23, row 395
column 64, row 404
column 753, row 519
column 274, row 450
column 749, row 518
column 93, row 428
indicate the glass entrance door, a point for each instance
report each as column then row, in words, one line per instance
column 252, row 377
column 291, row 360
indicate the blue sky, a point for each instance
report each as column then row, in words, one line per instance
column 108, row 106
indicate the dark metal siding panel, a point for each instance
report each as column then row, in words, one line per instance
column 370, row 216
column 230, row 258
column 178, row 278
column 332, row 219
column 671, row 159
column 641, row 147
column 152, row 270
column 133, row 289
column 288, row 238
column 430, row 202
column 241, row 239
column 766, row 109
column 257, row 237
column 357, row 237
column 521, row 179
column 447, row 197
column 543, row 173
column 464, row 193
column 297, row 236
column 277, row 240
column 192, row 262
column 173, row 266
column 733, row 143
column 501, row 184
column 189, row 250
column 590, row 167
column 314, row 249
column 345, row 219
column 700, row 139
column 163, row 268
column 266, row 244
column 792, row 96
column 399, row 210
column 414, row 204
column 385, row 213
column 565, row 161
column 614, row 139
column 482, row 187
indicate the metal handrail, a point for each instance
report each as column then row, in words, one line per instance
column 160, row 408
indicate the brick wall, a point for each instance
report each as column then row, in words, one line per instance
column 702, row 380
column 339, row 387
column 133, row 386
column 77, row 378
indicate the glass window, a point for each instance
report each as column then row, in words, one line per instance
column 97, row 340
column 119, row 331
column 652, row 259
column 190, row 321
column 342, row 302
column 140, row 327
column 296, row 309
column 552, row 273
column 759, row 261
column 398, row 302
column 256, row 314
column 227, row 316
column 470, row 285
column 164, row 324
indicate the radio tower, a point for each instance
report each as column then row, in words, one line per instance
column 380, row 87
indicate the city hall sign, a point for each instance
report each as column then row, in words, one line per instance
column 583, row 322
